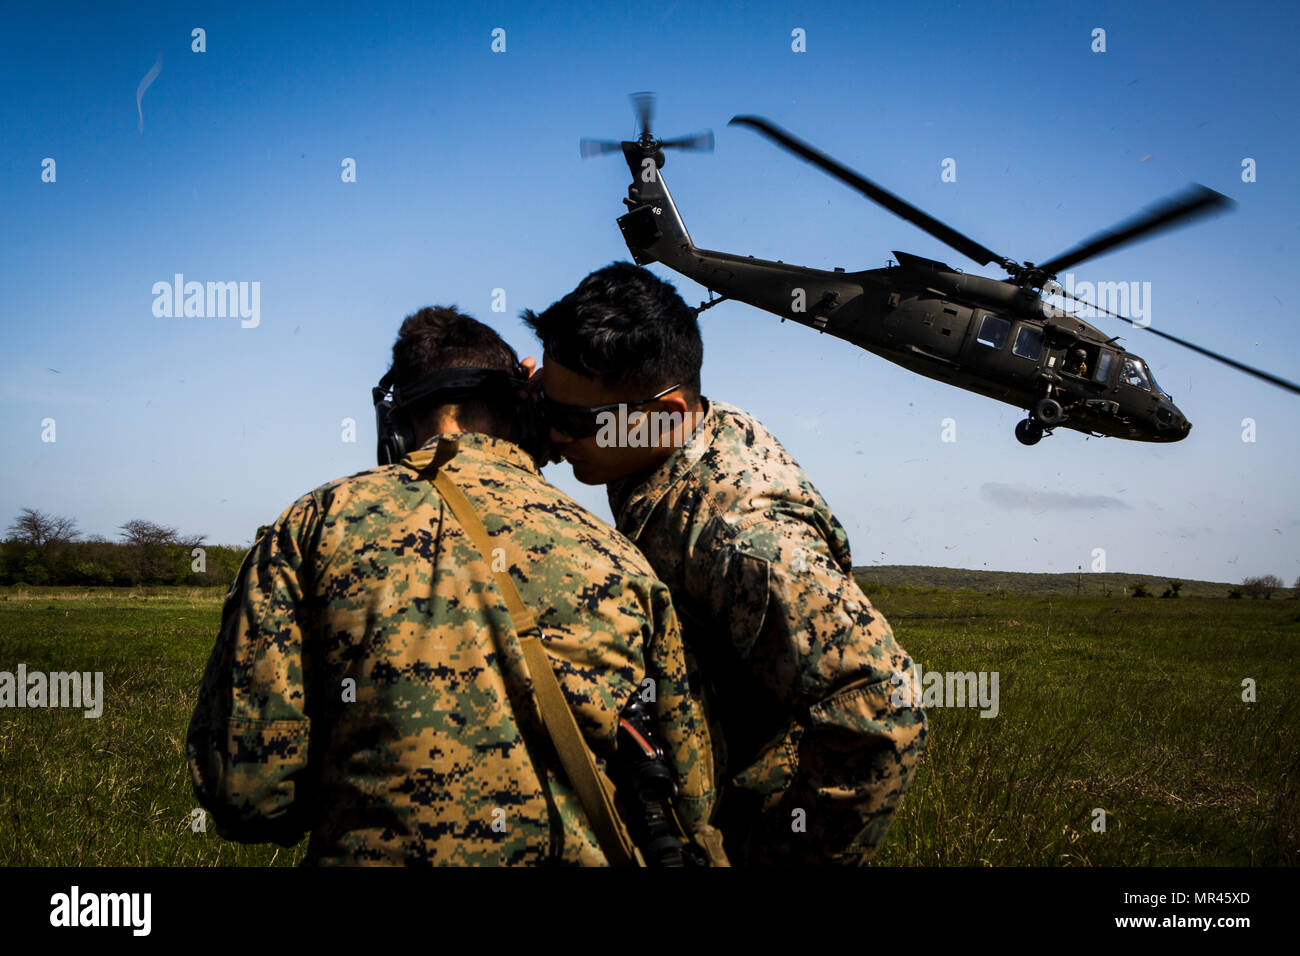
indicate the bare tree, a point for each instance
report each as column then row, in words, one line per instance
column 149, row 534
column 146, row 534
column 41, row 531
column 154, row 545
column 1262, row 585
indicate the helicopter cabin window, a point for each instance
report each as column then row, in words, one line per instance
column 1103, row 367
column 994, row 331
column 1029, row 342
column 1135, row 374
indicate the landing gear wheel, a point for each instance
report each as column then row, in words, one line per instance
column 1049, row 411
column 1029, row 432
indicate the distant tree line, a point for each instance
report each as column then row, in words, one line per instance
column 1260, row 586
column 48, row 549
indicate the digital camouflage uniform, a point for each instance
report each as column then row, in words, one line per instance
column 442, row 757
column 797, row 662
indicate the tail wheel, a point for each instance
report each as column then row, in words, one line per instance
column 1049, row 411
column 1029, row 432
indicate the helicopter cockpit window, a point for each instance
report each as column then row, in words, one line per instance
column 1135, row 374
column 1029, row 343
column 1103, row 367
column 994, row 332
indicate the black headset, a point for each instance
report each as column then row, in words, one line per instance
column 393, row 420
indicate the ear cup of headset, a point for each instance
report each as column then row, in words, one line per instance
column 396, row 437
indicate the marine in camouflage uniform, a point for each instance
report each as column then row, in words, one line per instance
column 818, row 737
column 439, row 755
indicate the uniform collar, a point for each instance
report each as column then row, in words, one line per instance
column 633, row 499
column 475, row 444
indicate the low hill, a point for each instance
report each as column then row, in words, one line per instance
column 1018, row 582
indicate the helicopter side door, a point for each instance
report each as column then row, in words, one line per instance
column 1008, row 350
column 986, row 354
column 1028, row 352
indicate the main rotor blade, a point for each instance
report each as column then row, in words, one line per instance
column 702, row 141
column 945, row 234
column 644, row 104
column 597, row 147
column 1193, row 203
column 1239, row 366
column 1065, row 295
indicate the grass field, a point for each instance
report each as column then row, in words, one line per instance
column 1131, row 706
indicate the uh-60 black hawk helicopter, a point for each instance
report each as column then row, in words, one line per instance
column 995, row 337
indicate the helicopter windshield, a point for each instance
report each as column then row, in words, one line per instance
column 1139, row 375
column 1154, row 384
column 1135, row 374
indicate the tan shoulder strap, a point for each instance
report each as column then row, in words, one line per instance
column 593, row 787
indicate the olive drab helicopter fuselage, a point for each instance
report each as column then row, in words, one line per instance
column 997, row 338
column 976, row 333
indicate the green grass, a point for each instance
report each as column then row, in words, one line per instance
column 114, row 790
column 1132, row 706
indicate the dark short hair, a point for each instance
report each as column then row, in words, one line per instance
column 441, row 337
column 623, row 324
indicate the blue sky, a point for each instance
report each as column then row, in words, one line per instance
column 469, row 180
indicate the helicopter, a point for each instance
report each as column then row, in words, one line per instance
column 995, row 337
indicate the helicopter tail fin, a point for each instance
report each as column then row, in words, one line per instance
column 652, row 227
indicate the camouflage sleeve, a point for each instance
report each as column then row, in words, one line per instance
column 680, row 716
column 812, row 637
column 247, row 742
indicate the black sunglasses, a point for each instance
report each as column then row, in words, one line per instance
column 581, row 421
